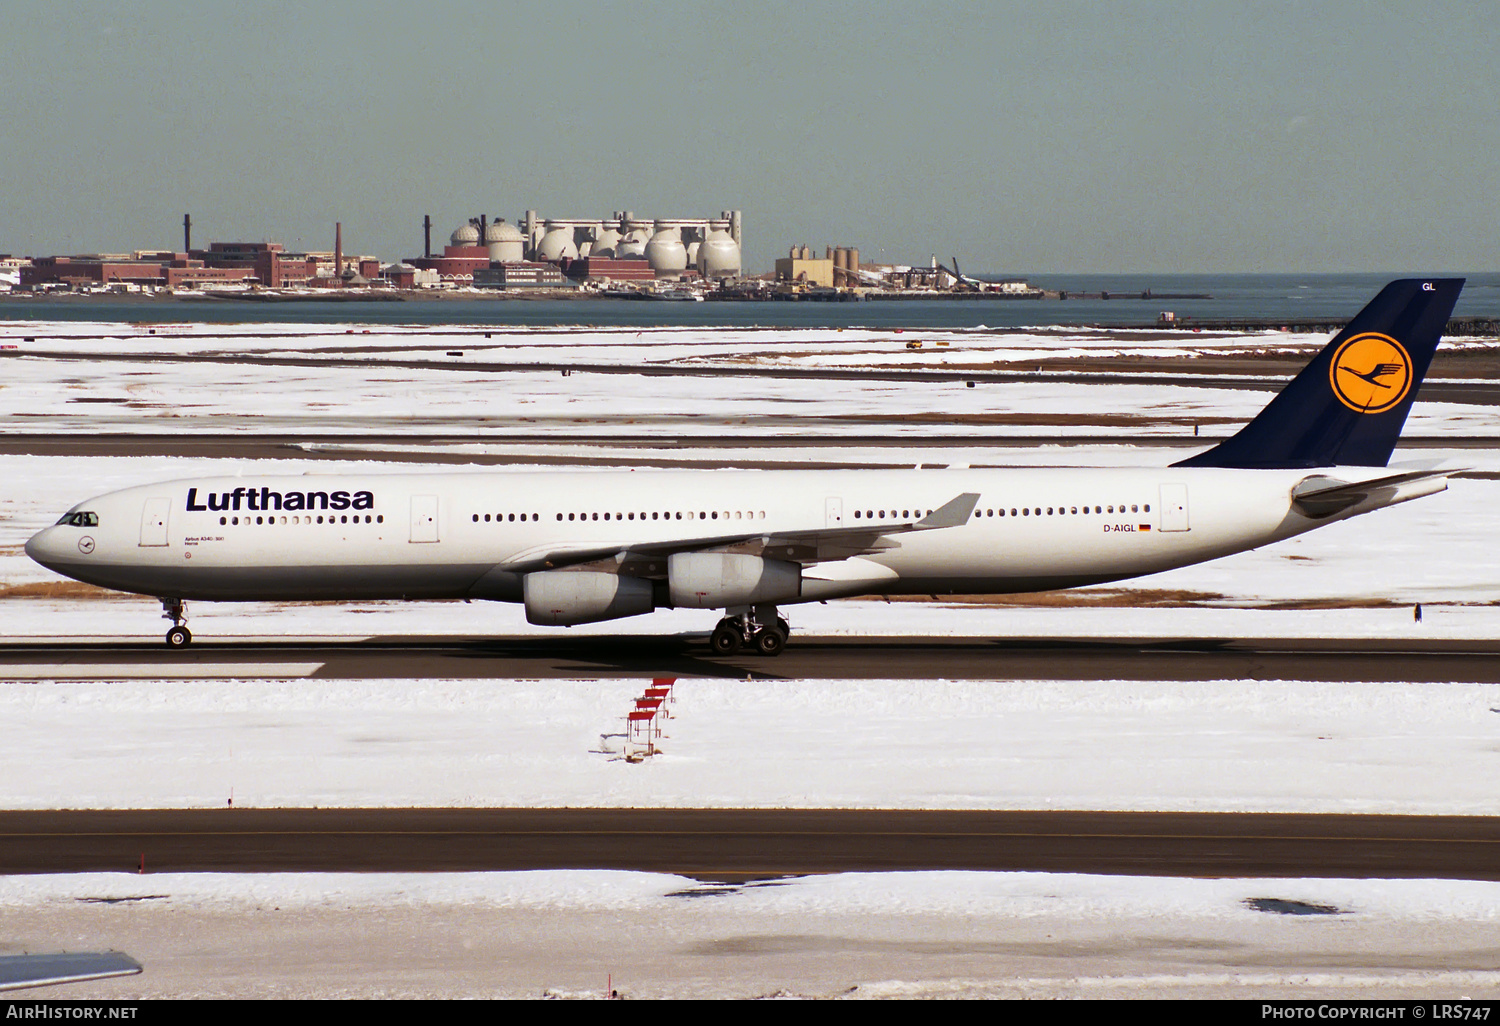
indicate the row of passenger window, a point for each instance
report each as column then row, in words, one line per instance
column 868, row 514
column 269, row 520
column 712, row 514
column 727, row 514
column 1063, row 510
column 880, row 514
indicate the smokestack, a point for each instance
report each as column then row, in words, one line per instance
column 338, row 250
column 187, row 233
column 426, row 235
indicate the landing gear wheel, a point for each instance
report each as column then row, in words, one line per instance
column 769, row 641
column 174, row 610
column 726, row 639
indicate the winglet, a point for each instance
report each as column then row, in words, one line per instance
column 953, row 513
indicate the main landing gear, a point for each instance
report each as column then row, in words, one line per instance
column 763, row 630
column 179, row 635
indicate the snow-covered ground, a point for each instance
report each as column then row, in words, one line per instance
column 139, row 394
column 290, row 739
column 852, row 935
column 658, row 344
column 1005, row 744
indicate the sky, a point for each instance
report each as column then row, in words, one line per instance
column 1021, row 138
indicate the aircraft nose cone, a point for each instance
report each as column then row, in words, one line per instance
column 45, row 547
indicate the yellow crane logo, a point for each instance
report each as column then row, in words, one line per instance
column 1370, row 373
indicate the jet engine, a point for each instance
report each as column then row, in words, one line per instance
column 718, row 580
column 561, row 598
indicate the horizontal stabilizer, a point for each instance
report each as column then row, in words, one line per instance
column 1321, row 497
column 18, row 971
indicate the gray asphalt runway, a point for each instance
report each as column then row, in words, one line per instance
column 806, row 658
column 740, row 844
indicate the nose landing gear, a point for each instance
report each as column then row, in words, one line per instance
column 179, row 635
column 764, row 630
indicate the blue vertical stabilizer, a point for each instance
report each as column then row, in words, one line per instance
column 1348, row 406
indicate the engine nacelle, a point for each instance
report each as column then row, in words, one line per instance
column 716, row 580
column 561, row 598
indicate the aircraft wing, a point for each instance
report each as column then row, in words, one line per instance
column 1318, row 497
column 18, row 971
column 814, row 545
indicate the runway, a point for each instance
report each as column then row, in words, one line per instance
column 735, row 845
column 805, row 658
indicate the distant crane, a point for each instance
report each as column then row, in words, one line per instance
column 960, row 277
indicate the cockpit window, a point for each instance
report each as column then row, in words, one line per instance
column 80, row 519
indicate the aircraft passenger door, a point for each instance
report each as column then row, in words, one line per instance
column 424, row 521
column 1174, row 507
column 154, row 521
column 833, row 512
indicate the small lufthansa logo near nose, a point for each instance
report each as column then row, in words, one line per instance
column 85, row 545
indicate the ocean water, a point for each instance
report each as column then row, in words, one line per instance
column 1273, row 296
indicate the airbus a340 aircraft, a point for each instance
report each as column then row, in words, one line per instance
column 584, row 547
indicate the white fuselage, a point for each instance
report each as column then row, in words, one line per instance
column 477, row 534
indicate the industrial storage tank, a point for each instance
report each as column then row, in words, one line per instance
column 505, row 242
column 557, row 244
column 665, row 250
column 671, row 246
column 606, row 242
column 633, row 245
column 719, row 255
column 464, row 235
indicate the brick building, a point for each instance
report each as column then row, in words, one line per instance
column 222, row 263
column 160, row 270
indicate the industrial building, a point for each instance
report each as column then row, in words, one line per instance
column 621, row 247
column 536, row 253
column 464, row 254
column 674, row 247
column 221, row 264
column 521, row 274
column 839, row 268
column 141, row 268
